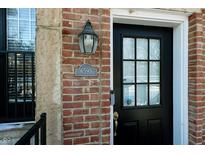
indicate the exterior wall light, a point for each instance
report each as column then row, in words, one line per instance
column 88, row 39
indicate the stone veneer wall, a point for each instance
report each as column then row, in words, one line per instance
column 86, row 106
column 48, row 71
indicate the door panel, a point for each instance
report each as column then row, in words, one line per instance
column 143, row 84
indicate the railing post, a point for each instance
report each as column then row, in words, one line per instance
column 43, row 129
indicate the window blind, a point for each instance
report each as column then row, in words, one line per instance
column 21, row 24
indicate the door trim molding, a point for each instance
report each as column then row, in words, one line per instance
column 179, row 22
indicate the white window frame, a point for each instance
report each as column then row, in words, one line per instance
column 179, row 22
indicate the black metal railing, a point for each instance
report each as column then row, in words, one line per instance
column 34, row 133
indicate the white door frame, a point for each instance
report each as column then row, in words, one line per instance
column 179, row 22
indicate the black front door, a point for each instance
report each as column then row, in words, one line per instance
column 143, row 84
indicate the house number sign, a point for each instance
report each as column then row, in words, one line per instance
column 86, row 70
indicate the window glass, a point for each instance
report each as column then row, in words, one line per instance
column 21, row 29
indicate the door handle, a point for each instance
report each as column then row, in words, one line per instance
column 115, row 117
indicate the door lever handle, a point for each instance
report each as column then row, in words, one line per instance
column 115, row 117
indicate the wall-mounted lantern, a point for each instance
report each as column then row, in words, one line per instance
column 88, row 39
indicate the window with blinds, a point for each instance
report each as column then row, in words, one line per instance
column 18, row 59
column 21, row 25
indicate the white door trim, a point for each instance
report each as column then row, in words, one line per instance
column 179, row 22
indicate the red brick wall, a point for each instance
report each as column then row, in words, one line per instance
column 86, row 111
column 197, row 78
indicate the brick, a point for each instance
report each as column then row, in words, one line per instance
column 106, row 131
column 72, row 90
column 92, row 132
column 78, row 24
column 72, row 61
column 67, row 127
column 73, row 105
column 67, row 68
column 95, row 139
column 106, row 12
column 81, row 140
column 106, row 82
column 106, row 69
column 73, row 119
column 67, row 39
column 67, row 83
column 69, row 134
column 106, row 117
column 67, row 54
column 106, row 61
column 91, row 90
column 105, row 110
column 67, row 98
column 95, row 124
column 106, row 19
column 80, row 111
column 91, row 18
column 94, row 96
column 81, row 10
column 71, row 46
column 91, row 104
column 80, row 97
column 106, row 76
column 106, row 103
column 94, row 83
column 91, row 118
column 81, row 126
column 106, row 96
column 92, row 61
column 94, row 11
column 70, row 16
column 80, row 83
column 71, row 31
column 196, row 72
column 67, row 112
column 100, row 124
column 106, row 139
column 95, row 111
column 67, row 24
column 67, row 142
column 66, row 9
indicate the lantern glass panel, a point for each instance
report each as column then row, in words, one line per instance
column 95, row 43
column 81, row 44
column 88, row 43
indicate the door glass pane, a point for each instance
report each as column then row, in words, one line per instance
column 128, row 72
column 142, row 94
column 142, row 49
column 154, row 49
column 141, row 72
column 128, row 95
column 128, row 48
column 154, row 94
column 154, row 72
